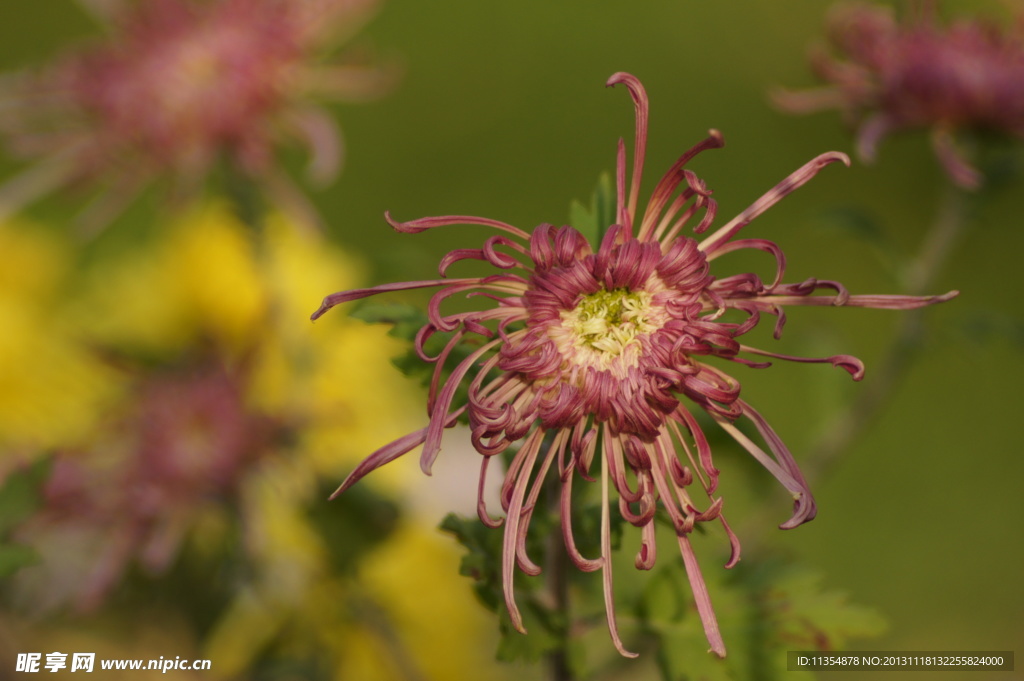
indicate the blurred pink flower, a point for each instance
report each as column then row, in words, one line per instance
column 886, row 76
column 183, row 443
column 579, row 353
column 181, row 85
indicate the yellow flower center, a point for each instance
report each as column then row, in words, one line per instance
column 604, row 324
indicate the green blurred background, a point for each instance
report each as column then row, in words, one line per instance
column 501, row 112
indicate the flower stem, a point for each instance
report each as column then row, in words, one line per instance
column 923, row 272
column 557, row 570
column 246, row 200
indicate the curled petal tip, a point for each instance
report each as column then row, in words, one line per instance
column 517, row 621
column 805, row 511
column 832, row 157
column 324, row 307
column 410, row 227
column 393, row 222
column 850, row 365
column 621, row 77
column 922, row 301
column 636, row 89
column 335, row 299
column 622, row 650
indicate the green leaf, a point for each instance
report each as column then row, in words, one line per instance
column 763, row 611
column 805, row 612
column 404, row 318
column 544, row 634
column 21, row 494
column 547, row 628
column 668, row 611
column 482, row 561
column 594, row 220
column 406, row 321
column 788, row 608
column 13, row 557
column 586, row 521
column 353, row 524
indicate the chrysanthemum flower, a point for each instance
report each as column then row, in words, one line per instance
column 205, row 393
column 180, row 85
column 601, row 353
column 51, row 387
column 887, row 76
column 181, row 448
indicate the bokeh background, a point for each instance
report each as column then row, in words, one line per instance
column 500, row 111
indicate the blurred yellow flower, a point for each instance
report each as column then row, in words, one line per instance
column 206, row 338
column 211, row 283
column 377, row 625
column 415, row 578
column 201, row 284
column 51, row 389
column 235, row 417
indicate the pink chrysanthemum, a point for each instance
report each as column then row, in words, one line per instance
column 182, row 84
column 182, row 446
column 593, row 352
column 887, row 76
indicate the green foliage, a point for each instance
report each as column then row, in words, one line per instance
column 594, row 220
column 763, row 612
column 20, row 497
column 546, row 634
column 353, row 524
column 13, row 557
column 547, row 627
column 482, row 561
column 586, row 521
column 406, row 320
column 805, row 613
column 668, row 613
